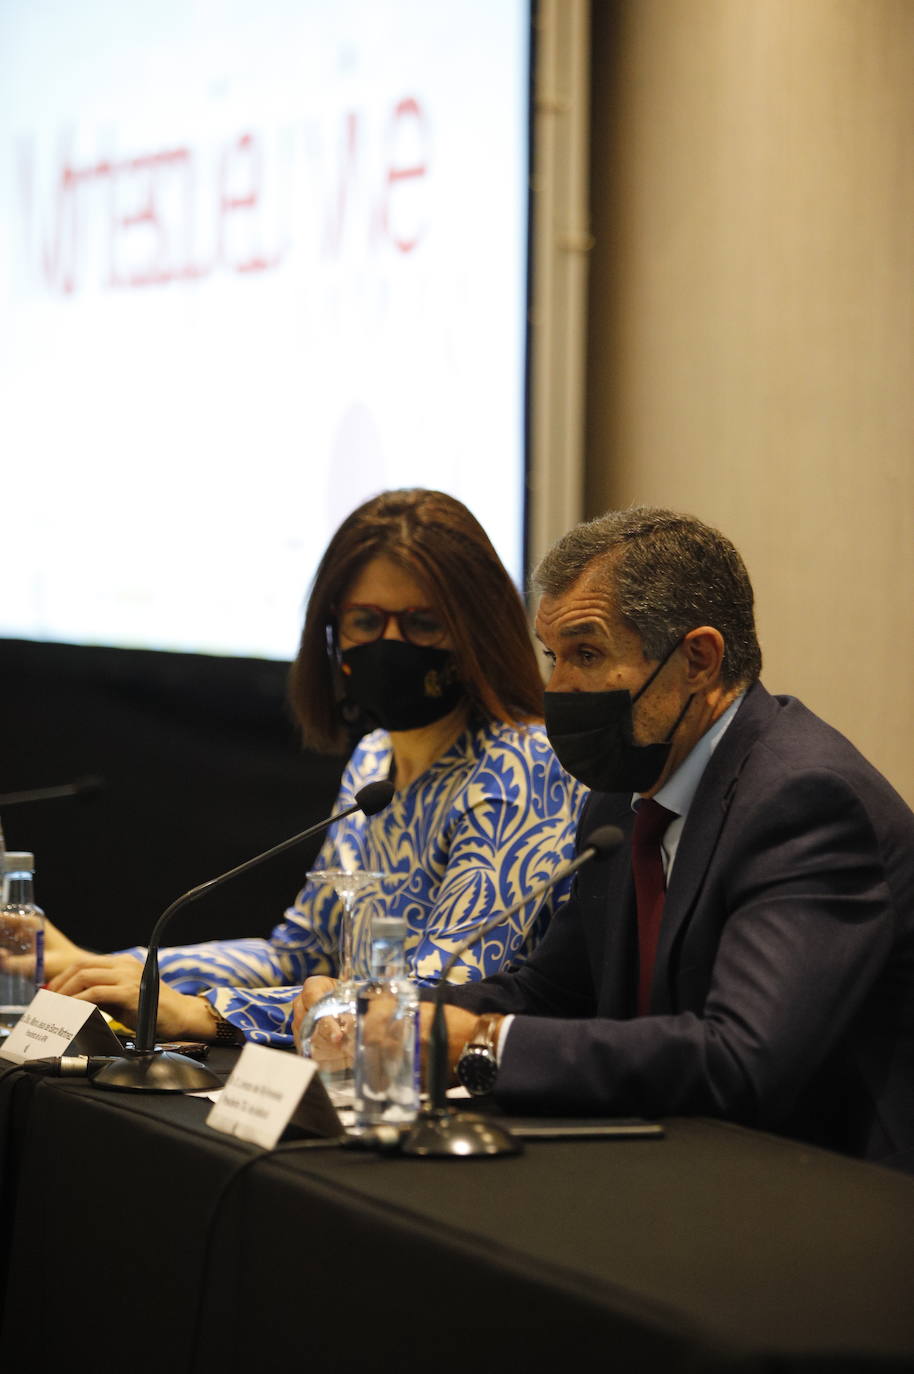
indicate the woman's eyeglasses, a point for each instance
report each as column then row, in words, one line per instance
column 363, row 624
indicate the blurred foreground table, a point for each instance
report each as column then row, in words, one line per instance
column 135, row 1237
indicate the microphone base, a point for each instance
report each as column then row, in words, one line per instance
column 156, row 1071
column 443, row 1134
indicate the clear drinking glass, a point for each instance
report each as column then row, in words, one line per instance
column 336, row 1060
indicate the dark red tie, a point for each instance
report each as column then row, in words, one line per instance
column 651, row 821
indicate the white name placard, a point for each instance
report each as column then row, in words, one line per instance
column 264, row 1093
column 53, row 1024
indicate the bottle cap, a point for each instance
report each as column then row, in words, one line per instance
column 18, row 861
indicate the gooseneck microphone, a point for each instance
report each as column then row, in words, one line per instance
column 439, row 1130
column 146, row 1069
column 80, row 787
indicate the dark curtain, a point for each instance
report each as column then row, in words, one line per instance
column 199, row 768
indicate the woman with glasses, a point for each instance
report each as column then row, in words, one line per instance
column 415, row 642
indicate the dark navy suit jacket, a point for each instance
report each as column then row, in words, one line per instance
column 783, row 994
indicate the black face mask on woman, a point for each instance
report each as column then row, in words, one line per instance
column 401, row 686
column 592, row 734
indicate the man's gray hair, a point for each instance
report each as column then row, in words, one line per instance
column 668, row 573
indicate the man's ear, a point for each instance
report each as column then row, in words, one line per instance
column 704, row 655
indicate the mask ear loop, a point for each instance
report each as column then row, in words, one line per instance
column 644, row 686
column 660, row 666
column 679, row 719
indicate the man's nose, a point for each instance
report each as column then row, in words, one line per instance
column 557, row 678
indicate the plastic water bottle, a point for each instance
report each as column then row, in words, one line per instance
column 21, row 940
column 387, row 1033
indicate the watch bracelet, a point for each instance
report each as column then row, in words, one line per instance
column 225, row 1032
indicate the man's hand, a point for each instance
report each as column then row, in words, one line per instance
column 460, row 1026
column 112, row 982
column 386, row 1044
column 332, row 1038
column 313, row 990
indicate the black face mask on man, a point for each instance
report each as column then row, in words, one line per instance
column 401, row 686
column 592, row 734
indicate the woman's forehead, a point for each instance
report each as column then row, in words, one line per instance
column 384, row 582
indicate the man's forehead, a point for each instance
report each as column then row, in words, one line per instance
column 587, row 607
column 573, row 626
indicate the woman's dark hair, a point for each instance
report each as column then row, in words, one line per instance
column 434, row 538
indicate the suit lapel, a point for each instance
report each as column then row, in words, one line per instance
column 703, row 826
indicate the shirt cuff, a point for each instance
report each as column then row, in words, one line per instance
column 502, row 1037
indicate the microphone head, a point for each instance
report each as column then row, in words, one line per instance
column 604, row 840
column 374, row 796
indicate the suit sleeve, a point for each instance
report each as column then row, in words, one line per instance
column 554, row 981
column 806, row 921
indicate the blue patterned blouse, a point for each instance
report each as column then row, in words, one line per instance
column 490, row 818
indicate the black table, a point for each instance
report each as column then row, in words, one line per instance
column 138, row 1238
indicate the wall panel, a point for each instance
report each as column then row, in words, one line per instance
column 751, row 335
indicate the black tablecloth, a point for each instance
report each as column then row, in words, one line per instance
column 138, row 1237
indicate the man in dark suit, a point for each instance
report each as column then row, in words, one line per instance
column 772, row 982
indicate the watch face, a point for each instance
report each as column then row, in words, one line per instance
column 477, row 1069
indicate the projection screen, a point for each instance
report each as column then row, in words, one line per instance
column 258, row 261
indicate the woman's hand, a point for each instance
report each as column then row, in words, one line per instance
column 112, row 982
column 59, row 951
